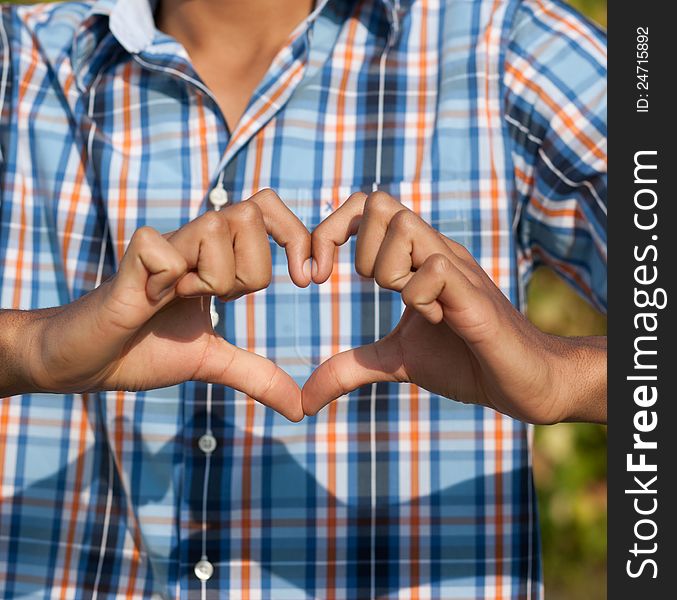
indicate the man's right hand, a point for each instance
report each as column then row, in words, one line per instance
column 149, row 326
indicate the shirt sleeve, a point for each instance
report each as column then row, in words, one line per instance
column 5, row 84
column 556, row 99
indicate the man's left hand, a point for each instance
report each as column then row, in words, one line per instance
column 459, row 336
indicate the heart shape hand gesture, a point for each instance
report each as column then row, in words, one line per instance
column 459, row 336
column 149, row 326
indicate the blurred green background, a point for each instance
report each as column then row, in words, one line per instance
column 570, row 460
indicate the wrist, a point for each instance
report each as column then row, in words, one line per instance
column 581, row 379
column 30, row 372
column 19, row 336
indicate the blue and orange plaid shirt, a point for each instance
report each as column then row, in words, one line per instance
column 486, row 117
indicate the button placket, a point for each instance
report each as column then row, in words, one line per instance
column 203, row 568
column 218, row 198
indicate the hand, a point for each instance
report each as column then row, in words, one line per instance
column 459, row 336
column 149, row 326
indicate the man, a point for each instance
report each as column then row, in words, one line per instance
column 422, row 154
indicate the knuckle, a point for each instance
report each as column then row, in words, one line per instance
column 403, row 221
column 269, row 194
column 213, row 222
column 357, row 197
column 265, row 196
column 438, row 263
column 378, row 198
column 247, row 212
column 463, row 252
column 144, row 236
column 357, row 202
column 379, row 203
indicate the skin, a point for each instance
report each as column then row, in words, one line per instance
column 149, row 326
column 232, row 40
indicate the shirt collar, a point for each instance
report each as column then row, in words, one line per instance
column 132, row 24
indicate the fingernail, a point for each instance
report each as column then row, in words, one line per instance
column 314, row 270
column 307, row 267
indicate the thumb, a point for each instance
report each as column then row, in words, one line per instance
column 349, row 370
column 254, row 375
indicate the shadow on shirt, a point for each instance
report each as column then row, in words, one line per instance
column 392, row 545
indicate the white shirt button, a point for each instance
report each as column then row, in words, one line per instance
column 207, row 443
column 218, row 197
column 215, row 317
column 203, row 570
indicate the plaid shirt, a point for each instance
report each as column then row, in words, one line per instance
column 486, row 117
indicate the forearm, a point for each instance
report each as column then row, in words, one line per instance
column 584, row 384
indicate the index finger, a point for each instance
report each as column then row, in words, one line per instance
column 335, row 231
column 289, row 233
column 360, row 212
